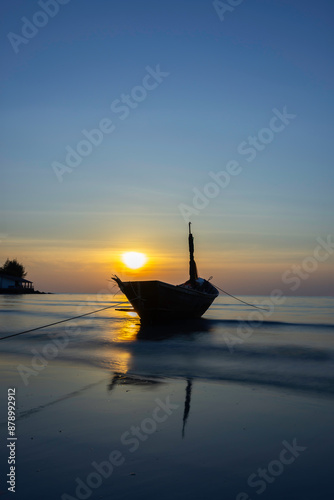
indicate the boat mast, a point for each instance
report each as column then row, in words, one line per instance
column 192, row 263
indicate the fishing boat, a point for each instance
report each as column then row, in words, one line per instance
column 158, row 302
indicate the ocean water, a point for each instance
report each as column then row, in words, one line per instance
column 289, row 346
column 245, row 386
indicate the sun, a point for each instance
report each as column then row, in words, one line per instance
column 134, row 260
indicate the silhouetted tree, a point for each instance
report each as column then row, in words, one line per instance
column 13, row 268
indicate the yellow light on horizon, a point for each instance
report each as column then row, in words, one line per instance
column 134, row 260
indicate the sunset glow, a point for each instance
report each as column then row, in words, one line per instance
column 134, row 260
column 117, row 158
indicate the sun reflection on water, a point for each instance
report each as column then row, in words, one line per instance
column 127, row 330
column 121, row 362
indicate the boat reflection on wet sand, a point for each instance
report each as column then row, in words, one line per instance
column 124, row 379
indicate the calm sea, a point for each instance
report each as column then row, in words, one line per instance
column 289, row 347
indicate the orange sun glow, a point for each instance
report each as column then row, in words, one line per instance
column 134, row 260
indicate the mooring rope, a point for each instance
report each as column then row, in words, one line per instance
column 247, row 303
column 109, row 307
column 58, row 322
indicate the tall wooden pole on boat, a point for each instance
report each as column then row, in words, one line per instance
column 192, row 263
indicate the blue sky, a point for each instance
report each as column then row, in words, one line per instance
column 224, row 80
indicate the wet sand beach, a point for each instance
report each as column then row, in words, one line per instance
column 117, row 413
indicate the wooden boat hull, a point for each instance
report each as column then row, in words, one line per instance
column 156, row 301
